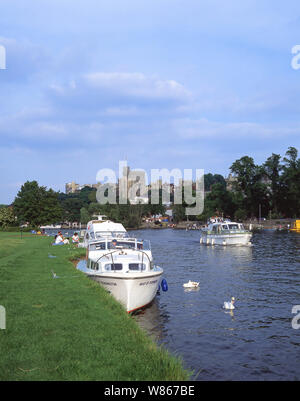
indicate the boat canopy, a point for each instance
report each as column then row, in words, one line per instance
column 97, row 229
column 227, row 227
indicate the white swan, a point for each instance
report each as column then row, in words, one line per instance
column 191, row 284
column 229, row 305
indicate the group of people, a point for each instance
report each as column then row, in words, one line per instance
column 61, row 240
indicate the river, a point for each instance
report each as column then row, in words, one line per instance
column 256, row 341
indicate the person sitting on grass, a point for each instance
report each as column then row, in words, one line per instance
column 59, row 240
column 75, row 239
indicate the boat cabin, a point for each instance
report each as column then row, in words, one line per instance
column 122, row 244
column 115, row 266
column 101, row 229
column 226, row 228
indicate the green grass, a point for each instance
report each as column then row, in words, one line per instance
column 68, row 328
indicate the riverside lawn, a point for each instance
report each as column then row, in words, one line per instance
column 68, row 328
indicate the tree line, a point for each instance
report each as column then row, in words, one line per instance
column 271, row 189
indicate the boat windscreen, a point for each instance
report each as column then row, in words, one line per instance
column 137, row 266
column 121, row 244
column 113, row 266
column 109, row 234
column 97, row 246
column 233, row 226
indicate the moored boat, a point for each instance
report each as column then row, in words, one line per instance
column 296, row 226
column 225, row 232
column 124, row 266
column 101, row 229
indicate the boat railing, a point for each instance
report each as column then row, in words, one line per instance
column 124, row 243
column 222, row 232
column 110, row 254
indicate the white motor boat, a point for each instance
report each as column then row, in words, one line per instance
column 101, row 229
column 124, row 266
column 225, row 232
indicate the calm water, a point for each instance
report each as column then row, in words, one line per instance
column 255, row 341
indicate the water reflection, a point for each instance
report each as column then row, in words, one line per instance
column 153, row 320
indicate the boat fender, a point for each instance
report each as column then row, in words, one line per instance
column 164, row 284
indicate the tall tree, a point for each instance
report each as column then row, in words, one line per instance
column 84, row 216
column 290, row 180
column 7, row 217
column 272, row 169
column 37, row 205
column 250, row 184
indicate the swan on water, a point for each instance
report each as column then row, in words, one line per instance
column 229, row 305
column 191, row 284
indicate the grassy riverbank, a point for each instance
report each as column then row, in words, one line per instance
column 68, row 328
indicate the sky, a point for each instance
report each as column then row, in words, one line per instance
column 193, row 84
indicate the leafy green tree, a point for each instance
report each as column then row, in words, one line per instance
column 218, row 202
column 179, row 213
column 251, row 186
column 7, row 217
column 290, row 180
column 71, row 206
column 211, row 179
column 37, row 205
column 84, row 216
column 272, row 168
column 87, row 195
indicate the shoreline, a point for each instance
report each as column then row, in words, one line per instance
column 67, row 326
column 273, row 224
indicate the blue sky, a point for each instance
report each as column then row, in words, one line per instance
column 162, row 83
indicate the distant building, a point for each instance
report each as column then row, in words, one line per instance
column 230, row 182
column 72, row 187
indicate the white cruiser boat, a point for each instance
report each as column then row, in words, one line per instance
column 101, row 229
column 124, row 266
column 225, row 232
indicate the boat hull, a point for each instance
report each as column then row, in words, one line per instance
column 133, row 292
column 234, row 239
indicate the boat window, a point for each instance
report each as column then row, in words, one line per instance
column 146, row 245
column 92, row 235
column 94, row 265
column 109, row 234
column 233, row 226
column 225, row 227
column 113, row 266
column 121, row 244
column 119, row 234
column 137, row 266
column 96, row 247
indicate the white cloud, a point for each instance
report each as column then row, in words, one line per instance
column 203, row 128
column 112, row 90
